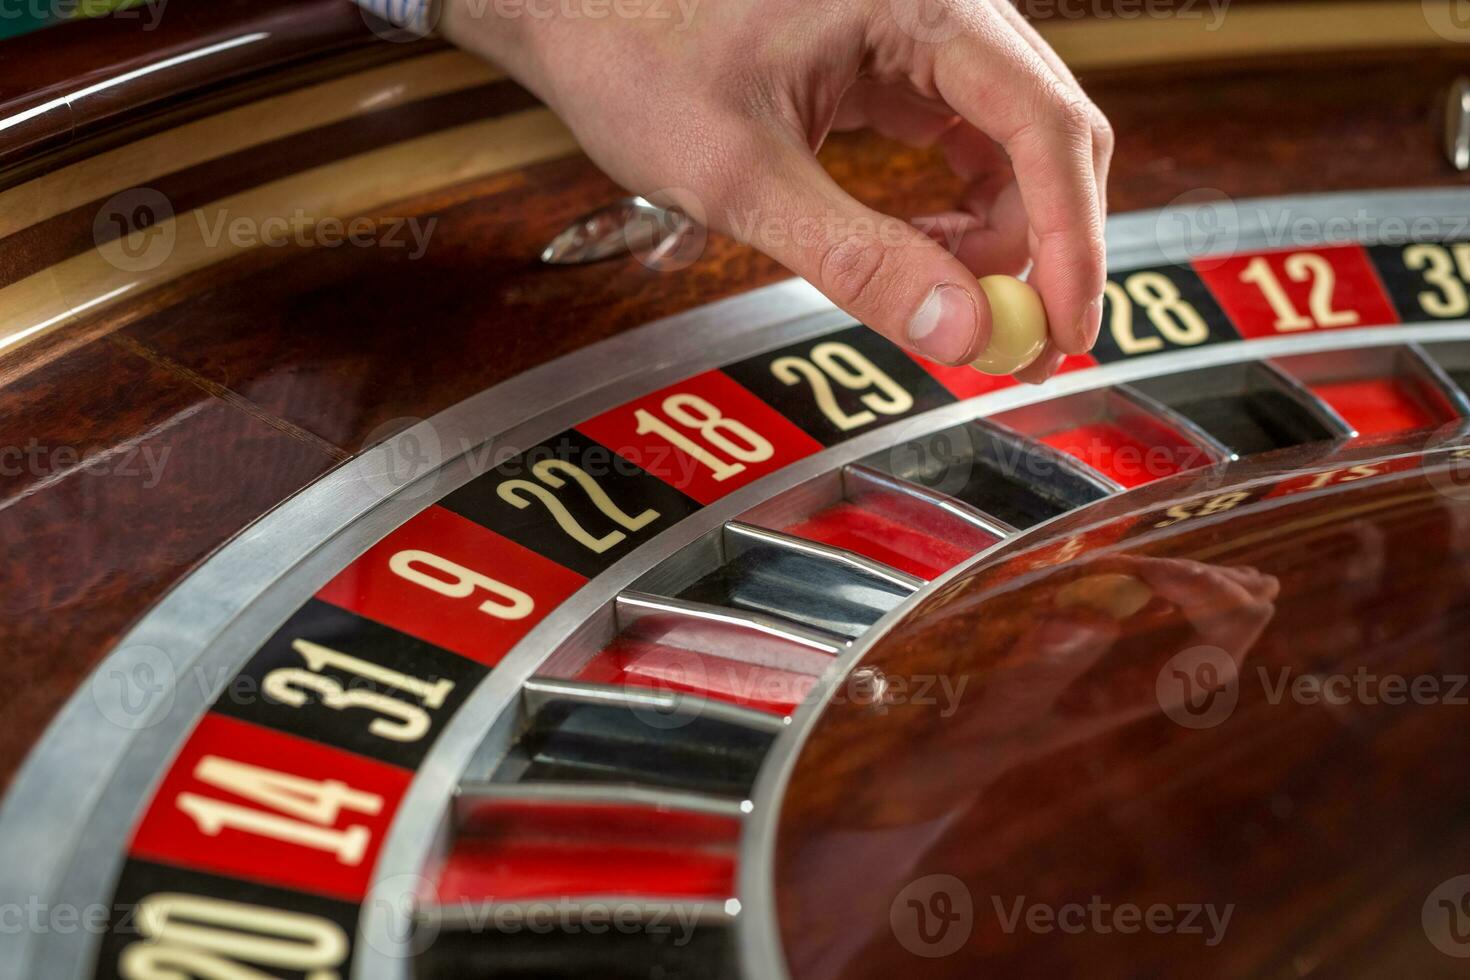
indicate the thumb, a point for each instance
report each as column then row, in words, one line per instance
column 880, row 269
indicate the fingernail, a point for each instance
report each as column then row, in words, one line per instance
column 943, row 328
column 1089, row 323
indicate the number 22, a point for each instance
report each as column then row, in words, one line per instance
column 518, row 493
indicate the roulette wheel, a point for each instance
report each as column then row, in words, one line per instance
column 385, row 601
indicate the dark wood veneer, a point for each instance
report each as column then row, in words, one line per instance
column 45, row 70
column 72, row 232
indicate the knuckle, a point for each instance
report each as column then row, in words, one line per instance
column 1073, row 120
column 1057, row 123
column 851, row 270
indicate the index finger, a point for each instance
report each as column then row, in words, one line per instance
column 998, row 82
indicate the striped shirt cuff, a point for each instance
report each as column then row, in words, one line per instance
column 412, row 15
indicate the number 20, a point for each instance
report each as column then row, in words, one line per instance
column 210, row 938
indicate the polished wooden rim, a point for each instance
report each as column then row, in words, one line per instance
column 195, row 143
column 103, row 276
column 331, row 160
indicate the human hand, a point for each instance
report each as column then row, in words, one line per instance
column 1229, row 606
column 725, row 108
column 1226, row 607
